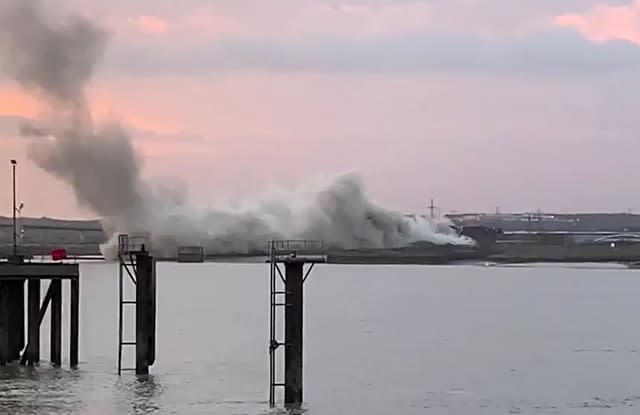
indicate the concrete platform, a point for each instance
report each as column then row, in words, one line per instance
column 13, row 344
column 10, row 271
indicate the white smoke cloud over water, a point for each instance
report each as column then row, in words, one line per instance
column 336, row 211
column 56, row 60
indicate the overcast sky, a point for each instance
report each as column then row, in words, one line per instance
column 525, row 105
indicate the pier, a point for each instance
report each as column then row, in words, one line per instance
column 290, row 263
column 139, row 267
column 287, row 291
column 13, row 275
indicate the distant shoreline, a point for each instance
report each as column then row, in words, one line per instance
column 83, row 238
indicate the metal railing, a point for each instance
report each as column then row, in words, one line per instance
column 128, row 244
column 293, row 245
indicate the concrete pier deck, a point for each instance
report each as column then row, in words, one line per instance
column 13, row 275
column 12, row 271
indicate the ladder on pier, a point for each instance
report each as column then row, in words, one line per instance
column 276, row 296
column 127, row 248
column 279, row 251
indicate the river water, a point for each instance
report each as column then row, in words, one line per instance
column 378, row 340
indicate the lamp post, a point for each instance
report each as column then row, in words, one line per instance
column 15, row 232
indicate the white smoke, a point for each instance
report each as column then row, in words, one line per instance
column 57, row 60
column 336, row 211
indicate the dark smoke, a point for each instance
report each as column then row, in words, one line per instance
column 56, row 60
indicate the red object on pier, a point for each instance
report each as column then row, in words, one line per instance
column 59, row 254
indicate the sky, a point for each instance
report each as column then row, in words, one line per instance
column 479, row 104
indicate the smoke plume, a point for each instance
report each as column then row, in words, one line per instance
column 56, row 60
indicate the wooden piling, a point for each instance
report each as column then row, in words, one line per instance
column 13, row 275
column 75, row 322
column 293, row 332
column 11, row 320
column 43, row 310
column 22, row 335
column 15, row 327
column 145, row 312
column 152, row 314
column 4, row 322
column 56, row 322
column 33, row 314
column 11, row 323
column 17, row 333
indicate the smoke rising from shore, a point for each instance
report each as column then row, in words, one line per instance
column 56, row 60
column 335, row 210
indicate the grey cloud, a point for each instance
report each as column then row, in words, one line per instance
column 555, row 51
column 57, row 60
column 10, row 125
column 496, row 7
column 154, row 137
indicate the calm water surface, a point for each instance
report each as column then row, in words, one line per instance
column 378, row 340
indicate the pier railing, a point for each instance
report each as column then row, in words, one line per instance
column 295, row 245
column 129, row 244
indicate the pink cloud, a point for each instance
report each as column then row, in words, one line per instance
column 150, row 24
column 263, row 20
column 605, row 23
column 16, row 103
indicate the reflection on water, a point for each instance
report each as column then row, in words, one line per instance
column 145, row 390
column 378, row 340
column 47, row 390
column 29, row 390
column 141, row 393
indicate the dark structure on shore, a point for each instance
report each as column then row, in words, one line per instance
column 550, row 222
column 500, row 238
column 38, row 237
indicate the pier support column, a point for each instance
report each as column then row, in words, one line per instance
column 15, row 327
column 145, row 312
column 33, row 315
column 13, row 310
column 11, row 320
column 293, row 333
column 17, row 319
column 74, row 325
column 56, row 322
column 5, row 325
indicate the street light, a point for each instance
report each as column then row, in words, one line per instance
column 15, row 233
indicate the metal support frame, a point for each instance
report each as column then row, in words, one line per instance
column 287, row 291
column 273, row 343
column 135, row 262
column 126, row 265
column 13, row 276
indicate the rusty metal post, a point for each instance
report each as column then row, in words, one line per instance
column 33, row 317
column 74, row 324
column 20, row 319
column 5, row 325
column 145, row 312
column 13, row 328
column 293, row 332
column 56, row 322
